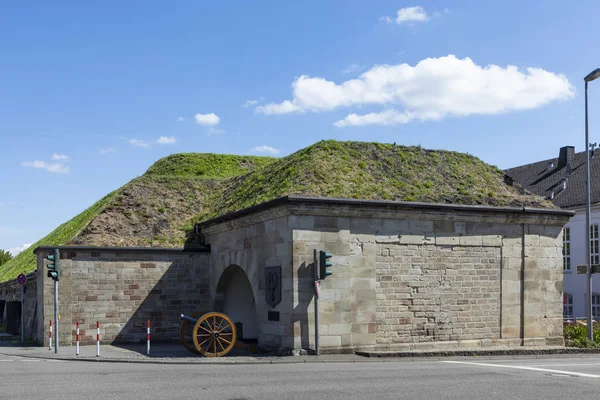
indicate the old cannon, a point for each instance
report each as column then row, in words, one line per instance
column 212, row 334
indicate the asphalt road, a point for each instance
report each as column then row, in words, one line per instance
column 527, row 378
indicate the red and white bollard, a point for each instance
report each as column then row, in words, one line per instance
column 97, row 338
column 50, row 342
column 77, row 340
column 148, row 343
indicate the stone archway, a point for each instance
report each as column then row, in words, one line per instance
column 234, row 297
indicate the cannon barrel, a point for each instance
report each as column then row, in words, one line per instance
column 188, row 319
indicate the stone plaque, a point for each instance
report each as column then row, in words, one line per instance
column 273, row 285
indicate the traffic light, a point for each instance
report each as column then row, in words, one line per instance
column 323, row 264
column 53, row 265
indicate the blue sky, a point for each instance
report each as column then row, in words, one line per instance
column 92, row 93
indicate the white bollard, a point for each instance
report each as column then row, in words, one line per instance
column 77, row 340
column 50, row 345
column 97, row 338
column 148, row 342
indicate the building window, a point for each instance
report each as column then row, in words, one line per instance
column 567, row 249
column 567, row 305
column 594, row 248
column 595, row 305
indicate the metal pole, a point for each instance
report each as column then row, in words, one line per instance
column 590, row 329
column 316, row 276
column 56, row 316
column 22, row 315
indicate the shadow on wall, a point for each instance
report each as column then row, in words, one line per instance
column 182, row 289
column 306, row 295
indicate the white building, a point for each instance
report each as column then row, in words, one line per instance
column 562, row 180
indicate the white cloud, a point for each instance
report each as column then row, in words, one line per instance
column 253, row 102
column 264, row 149
column 214, row 131
column 389, row 117
column 50, row 167
column 432, row 89
column 282, row 108
column 165, row 140
column 352, row 68
column 60, row 157
column 408, row 14
column 180, row 119
column 106, row 150
column 138, row 143
column 249, row 103
column 207, row 119
column 16, row 250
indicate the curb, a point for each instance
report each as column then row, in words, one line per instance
column 198, row 362
column 367, row 357
column 478, row 353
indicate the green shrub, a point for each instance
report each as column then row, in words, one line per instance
column 575, row 335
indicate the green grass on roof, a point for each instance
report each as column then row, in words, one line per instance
column 159, row 208
column 376, row 171
column 25, row 261
column 207, row 165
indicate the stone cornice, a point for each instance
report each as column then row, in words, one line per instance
column 316, row 206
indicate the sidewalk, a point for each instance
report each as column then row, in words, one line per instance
column 165, row 354
column 175, row 353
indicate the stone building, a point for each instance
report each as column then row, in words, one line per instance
column 405, row 276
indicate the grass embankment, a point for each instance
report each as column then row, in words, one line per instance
column 25, row 261
column 376, row 171
column 160, row 207
column 152, row 210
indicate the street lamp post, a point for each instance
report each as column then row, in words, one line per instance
column 590, row 77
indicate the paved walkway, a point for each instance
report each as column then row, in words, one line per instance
column 176, row 354
column 164, row 354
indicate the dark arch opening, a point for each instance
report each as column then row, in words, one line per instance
column 235, row 298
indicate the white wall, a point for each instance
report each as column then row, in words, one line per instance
column 573, row 283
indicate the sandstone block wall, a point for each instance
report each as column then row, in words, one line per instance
column 401, row 279
column 437, row 293
column 123, row 289
column 432, row 280
column 253, row 243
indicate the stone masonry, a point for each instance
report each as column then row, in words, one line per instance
column 431, row 293
column 264, row 242
column 123, row 289
column 408, row 276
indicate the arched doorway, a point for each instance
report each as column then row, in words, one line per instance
column 234, row 297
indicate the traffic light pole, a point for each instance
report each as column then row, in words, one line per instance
column 56, row 258
column 56, row 316
column 22, row 315
column 316, row 276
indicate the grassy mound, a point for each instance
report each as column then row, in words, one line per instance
column 375, row 171
column 25, row 261
column 159, row 208
column 207, row 166
column 152, row 210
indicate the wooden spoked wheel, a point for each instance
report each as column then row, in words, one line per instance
column 214, row 334
column 186, row 331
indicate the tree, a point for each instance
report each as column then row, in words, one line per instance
column 5, row 256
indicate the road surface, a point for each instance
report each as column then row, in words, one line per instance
column 503, row 379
